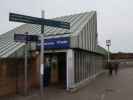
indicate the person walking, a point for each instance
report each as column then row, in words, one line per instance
column 110, row 68
column 116, row 67
column 46, row 73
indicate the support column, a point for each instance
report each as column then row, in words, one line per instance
column 70, row 69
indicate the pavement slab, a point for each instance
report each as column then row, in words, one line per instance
column 104, row 87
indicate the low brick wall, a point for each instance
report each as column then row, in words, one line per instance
column 12, row 75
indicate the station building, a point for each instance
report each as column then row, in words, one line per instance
column 74, row 55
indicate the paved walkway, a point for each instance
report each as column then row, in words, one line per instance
column 104, row 87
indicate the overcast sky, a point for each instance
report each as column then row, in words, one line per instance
column 115, row 17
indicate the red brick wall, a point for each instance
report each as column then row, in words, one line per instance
column 7, row 85
column 122, row 56
column 12, row 75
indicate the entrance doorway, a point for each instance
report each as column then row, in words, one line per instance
column 55, row 70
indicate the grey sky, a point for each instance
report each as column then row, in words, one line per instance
column 115, row 17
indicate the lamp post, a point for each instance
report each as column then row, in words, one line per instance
column 108, row 44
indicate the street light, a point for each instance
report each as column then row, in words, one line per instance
column 108, row 44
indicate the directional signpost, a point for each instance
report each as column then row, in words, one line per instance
column 39, row 21
column 25, row 38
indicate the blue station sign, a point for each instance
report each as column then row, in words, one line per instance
column 56, row 43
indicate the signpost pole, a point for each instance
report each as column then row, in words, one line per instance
column 108, row 44
column 25, row 68
column 108, row 54
column 42, row 57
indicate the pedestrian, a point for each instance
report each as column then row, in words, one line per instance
column 46, row 73
column 116, row 67
column 110, row 68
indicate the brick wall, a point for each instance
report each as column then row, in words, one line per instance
column 12, row 75
column 122, row 56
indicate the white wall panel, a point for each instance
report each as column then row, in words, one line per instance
column 70, row 69
column 86, row 37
